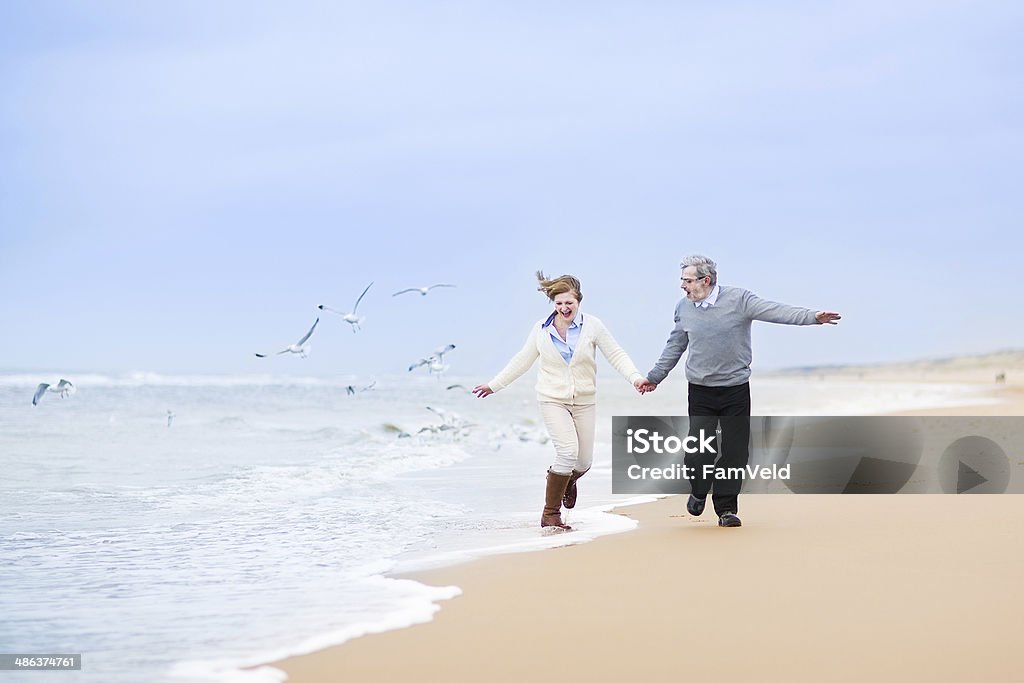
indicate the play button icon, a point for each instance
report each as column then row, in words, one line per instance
column 974, row 464
column 967, row 478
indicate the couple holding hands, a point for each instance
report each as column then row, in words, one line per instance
column 712, row 322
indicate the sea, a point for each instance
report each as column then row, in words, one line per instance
column 194, row 528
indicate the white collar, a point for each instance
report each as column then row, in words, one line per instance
column 709, row 300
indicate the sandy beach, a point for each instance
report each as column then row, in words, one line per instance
column 812, row 588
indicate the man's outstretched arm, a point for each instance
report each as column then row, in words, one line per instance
column 756, row 308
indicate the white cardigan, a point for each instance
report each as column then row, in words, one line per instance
column 572, row 382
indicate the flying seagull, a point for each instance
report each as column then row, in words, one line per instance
column 435, row 361
column 434, row 366
column 441, row 350
column 64, row 388
column 422, row 290
column 351, row 318
column 352, row 389
column 300, row 347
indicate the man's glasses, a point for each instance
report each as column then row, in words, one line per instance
column 691, row 280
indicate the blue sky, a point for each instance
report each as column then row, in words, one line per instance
column 182, row 183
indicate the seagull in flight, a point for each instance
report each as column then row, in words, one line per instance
column 435, row 361
column 64, row 388
column 434, row 366
column 351, row 318
column 300, row 347
column 422, row 290
column 352, row 389
column 441, row 350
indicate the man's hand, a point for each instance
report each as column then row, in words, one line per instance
column 644, row 385
column 827, row 317
column 482, row 391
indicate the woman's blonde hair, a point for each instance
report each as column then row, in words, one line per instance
column 563, row 284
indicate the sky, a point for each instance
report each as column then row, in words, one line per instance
column 181, row 184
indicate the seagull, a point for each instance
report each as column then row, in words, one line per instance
column 351, row 318
column 422, row 290
column 395, row 429
column 446, row 417
column 64, row 388
column 438, row 368
column 441, row 350
column 170, row 417
column 434, row 429
column 351, row 389
column 434, row 365
column 450, row 418
column 448, row 422
column 300, row 347
column 435, row 360
column 463, row 387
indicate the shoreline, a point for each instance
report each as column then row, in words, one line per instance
column 491, row 587
column 866, row 586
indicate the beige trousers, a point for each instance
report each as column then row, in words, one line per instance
column 571, row 428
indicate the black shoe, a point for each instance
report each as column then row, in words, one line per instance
column 695, row 505
column 729, row 519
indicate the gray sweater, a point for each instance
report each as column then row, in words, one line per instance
column 718, row 337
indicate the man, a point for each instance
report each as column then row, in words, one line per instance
column 713, row 323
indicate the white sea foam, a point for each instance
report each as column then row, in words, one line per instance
column 587, row 524
column 411, row 603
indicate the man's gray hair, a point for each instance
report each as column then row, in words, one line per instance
column 705, row 267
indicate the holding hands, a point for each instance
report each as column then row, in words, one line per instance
column 644, row 385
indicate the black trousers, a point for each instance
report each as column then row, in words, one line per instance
column 730, row 406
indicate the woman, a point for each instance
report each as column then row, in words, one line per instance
column 566, row 343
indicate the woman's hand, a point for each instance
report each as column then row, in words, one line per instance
column 644, row 385
column 482, row 391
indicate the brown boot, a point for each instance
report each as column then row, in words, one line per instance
column 553, row 500
column 569, row 499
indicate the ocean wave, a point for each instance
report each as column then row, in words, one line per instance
column 142, row 379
